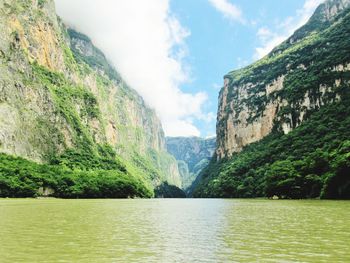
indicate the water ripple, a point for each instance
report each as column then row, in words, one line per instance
column 174, row 230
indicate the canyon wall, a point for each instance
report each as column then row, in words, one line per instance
column 59, row 96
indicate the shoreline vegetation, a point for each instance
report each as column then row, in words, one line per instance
column 308, row 162
column 306, row 153
column 21, row 178
column 187, row 197
column 66, row 108
column 92, row 136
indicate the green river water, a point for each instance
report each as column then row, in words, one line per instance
column 174, row 230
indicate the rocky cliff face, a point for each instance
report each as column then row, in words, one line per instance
column 279, row 91
column 192, row 155
column 283, row 122
column 58, row 93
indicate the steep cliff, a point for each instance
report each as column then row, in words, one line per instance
column 302, row 74
column 192, row 155
column 131, row 126
column 61, row 102
column 275, row 102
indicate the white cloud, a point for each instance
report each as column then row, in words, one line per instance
column 228, row 9
column 146, row 43
column 208, row 118
column 271, row 38
column 177, row 128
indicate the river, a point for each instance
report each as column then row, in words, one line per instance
column 174, row 230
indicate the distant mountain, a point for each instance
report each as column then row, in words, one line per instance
column 284, row 122
column 192, row 155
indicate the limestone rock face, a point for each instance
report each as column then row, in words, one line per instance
column 277, row 92
column 59, row 92
column 332, row 8
column 238, row 131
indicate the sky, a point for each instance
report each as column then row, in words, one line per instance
column 176, row 52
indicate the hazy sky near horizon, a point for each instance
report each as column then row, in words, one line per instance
column 176, row 52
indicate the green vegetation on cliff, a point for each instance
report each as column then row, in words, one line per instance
column 311, row 161
column 64, row 107
column 307, row 60
column 311, row 157
column 22, row 178
column 152, row 162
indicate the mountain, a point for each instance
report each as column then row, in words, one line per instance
column 62, row 104
column 283, row 122
column 192, row 155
